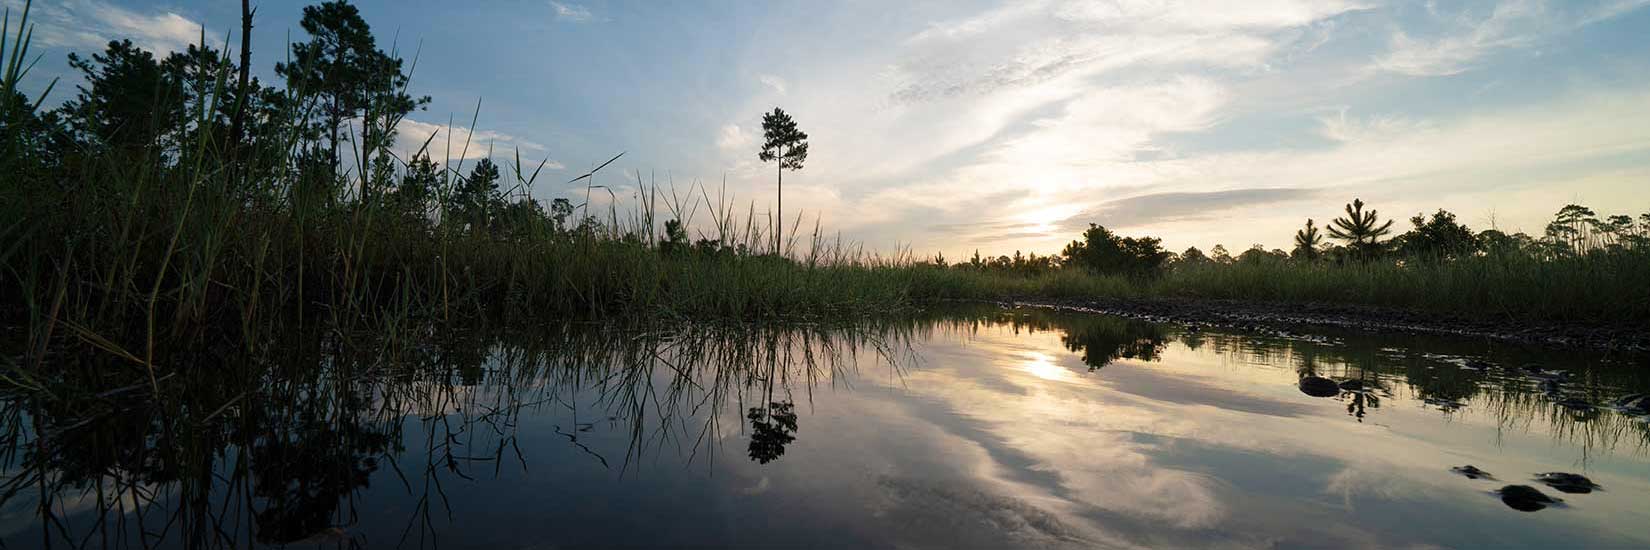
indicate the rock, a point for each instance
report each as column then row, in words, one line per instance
column 1444, row 404
column 1472, row 472
column 1539, row 374
column 1525, row 498
column 1317, row 386
column 1574, row 404
column 1636, row 404
column 1551, row 387
column 1352, row 385
column 1567, row 482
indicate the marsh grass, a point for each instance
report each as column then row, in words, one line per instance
column 141, row 254
column 1601, row 288
column 206, row 243
column 278, row 446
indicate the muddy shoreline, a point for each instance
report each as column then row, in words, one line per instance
column 1288, row 316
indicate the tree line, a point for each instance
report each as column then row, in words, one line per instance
column 1358, row 236
column 321, row 139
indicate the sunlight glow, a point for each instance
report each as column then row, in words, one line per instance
column 1044, row 220
column 1042, row 366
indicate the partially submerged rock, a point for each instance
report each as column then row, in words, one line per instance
column 1317, row 386
column 1552, row 387
column 1472, row 472
column 1634, row 404
column 1534, row 372
column 1525, row 498
column 1567, row 482
column 1444, row 404
column 1574, row 404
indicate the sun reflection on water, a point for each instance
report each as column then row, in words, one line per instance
column 1042, row 366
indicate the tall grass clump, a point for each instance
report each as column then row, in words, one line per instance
column 1607, row 288
column 172, row 205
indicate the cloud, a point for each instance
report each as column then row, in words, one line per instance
column 1181, row 206
column 774, row 83
column 91, row 24
column 571, row 12
column 1511, row 24
column 1029, row 43
column 732, row 138
column 412, row 134
column 1013, row 127
column 1342, row 128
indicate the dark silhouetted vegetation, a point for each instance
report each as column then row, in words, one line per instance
column 787, row 148
column 1582, row 269
column 171, row 204
column 1102, row 251
column 132, row 222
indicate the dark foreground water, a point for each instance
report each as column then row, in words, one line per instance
column 979, row 428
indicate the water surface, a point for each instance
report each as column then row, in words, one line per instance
column 981, row 428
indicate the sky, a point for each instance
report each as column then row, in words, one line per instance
column 954, row 126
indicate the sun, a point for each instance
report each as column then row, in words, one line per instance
column 1042, row 366
column 1046, row 219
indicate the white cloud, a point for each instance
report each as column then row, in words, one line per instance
column 1489, row 161
column 774, row 83
column 1024, row 115
column 412, row 134
column 1343, row 128
column 1157, row 14
column 732, row 138
column 571, row 12
column 1511, row 24
column 86, row 25
column 1026, row 44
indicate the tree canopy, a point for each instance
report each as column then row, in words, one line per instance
column 1438, row 237
column 1102, row 251
column 1361, row 230
column 784, row 143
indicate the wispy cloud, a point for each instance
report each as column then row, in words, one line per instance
column 732, row 138
column 773, row 83
column 1020, row 124
column 1028, row 43
column 412, row 134
column 571, row 12
column 1510, row 24
column 1174, row 207
column 1343, row 128
column 90, row 24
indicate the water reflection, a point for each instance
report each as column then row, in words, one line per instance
column 772, row 427
column 975, row 427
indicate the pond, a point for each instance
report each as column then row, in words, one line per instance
column 976, row 428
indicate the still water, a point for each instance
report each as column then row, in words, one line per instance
column 978, row 428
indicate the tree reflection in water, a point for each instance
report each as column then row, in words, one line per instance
column 1102, row 340
column 772, row 428
column 281, row 447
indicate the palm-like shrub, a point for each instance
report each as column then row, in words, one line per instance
column 1361, row 230
column 1307, row 240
